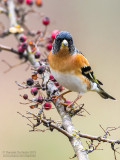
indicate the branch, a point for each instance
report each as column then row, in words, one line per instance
column 3, row 10
column 67, row 128
column 57, row 128
column 98, row 138
column 9, row 49
column 66, row 118
column 11, row 11
column 13, row 22
column 66, row 122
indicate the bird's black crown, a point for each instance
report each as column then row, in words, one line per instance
column 58, row 40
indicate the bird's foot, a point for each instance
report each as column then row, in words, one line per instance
column 55, row 97
column 72, row 103
column 69, row 108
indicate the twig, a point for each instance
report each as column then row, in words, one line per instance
column 48, row 124
column 6, row 48
column 98, row 138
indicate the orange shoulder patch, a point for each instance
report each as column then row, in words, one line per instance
column 80, row 60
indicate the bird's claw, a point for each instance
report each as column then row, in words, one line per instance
column 68, row 108
column 55, row 97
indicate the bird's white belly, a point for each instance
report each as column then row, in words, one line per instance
column 70, row 81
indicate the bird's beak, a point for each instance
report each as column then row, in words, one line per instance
column 64, row 43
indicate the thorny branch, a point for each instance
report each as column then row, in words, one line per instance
column 5, row 48
column 48, row 123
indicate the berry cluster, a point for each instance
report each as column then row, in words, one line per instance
column 60, row 88
column 34, row 46
column 36, row 88
column 39, row 39
column 31, row 2
column 29, row 46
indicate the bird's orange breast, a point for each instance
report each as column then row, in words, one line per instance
column 67, row 62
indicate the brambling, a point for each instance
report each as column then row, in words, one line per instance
column 71, row 69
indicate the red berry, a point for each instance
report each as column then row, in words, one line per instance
column 49, row 46
column 37, row 55
column 45, row 21
column 21, row 49
column 40, row 99
column 30, row 82
column 20, row 1
column 23, row 38
column 47, row 106
column 41, row 69
column 51, row 77
column 54, row 33
column 38, row 2
column 29, row 2
column 25, row 96
column 57, row 84
column 34, row 91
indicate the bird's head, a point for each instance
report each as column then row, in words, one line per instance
column 63, row 42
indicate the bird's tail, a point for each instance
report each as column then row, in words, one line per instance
column 104, row 95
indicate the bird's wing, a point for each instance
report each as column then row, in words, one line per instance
column 86, row 69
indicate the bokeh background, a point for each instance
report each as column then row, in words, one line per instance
column 95, row 26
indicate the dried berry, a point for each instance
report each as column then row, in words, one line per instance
column 40, row 99
column 30, row 82
column 41, row 69
column 37, row 55
column 25, row 96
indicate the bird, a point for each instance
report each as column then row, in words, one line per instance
column 71, row 69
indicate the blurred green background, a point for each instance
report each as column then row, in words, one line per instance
column 95, row 26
